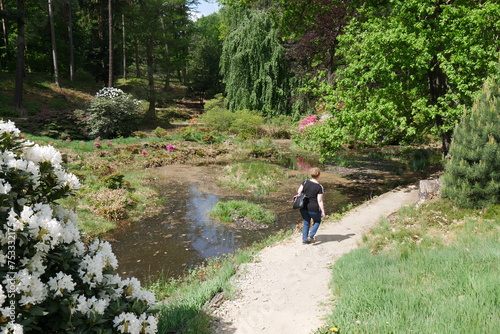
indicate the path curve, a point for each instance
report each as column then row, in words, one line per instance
column 286, row 289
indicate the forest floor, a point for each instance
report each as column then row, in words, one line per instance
column 286, row 290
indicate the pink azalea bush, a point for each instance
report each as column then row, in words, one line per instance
column 308, row 121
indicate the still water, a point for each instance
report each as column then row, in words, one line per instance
column 183, row 235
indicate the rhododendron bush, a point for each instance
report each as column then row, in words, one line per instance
column 51, row 282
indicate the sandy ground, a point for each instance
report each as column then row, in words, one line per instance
column 286, row 290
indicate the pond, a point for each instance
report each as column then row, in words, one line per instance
column 183, row 236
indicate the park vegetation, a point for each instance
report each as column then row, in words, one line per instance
column 333, row 76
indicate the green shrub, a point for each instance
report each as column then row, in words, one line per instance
column 247, row 124
column 160, row 132
column 57, row 124
column 279, row 127
column 218, row 119
column 113, row 114
column 113, row 181
column 139, row 134
column 217, row 102
column 191, row 134
column 472, row 177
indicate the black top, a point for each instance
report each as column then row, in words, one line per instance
column 312, row 190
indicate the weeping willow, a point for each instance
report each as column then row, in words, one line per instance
column 254, row 68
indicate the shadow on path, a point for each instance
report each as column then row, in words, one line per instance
column 320, row 239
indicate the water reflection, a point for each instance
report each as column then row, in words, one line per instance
column 178, row 239
column 183, row 235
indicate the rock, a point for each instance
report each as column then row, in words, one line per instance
column 428, row 189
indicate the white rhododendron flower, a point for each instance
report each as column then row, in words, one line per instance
column 31, row 288
column 12, row 329
column 37, row 154
column 5, row 187
column 61, row 283
column 9, row 127
column 52, row 263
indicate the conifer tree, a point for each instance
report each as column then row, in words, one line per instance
column 472, row 174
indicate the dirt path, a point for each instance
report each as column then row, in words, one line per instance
column 286, row 289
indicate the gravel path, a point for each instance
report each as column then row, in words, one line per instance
column 286, row 289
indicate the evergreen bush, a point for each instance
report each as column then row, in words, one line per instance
column 52, row 282
column 113, row 114
column 472, row 174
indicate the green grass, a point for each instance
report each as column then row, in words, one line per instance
column 227, row 211
column 436, row 271
column 182, row 300
column 257, row 176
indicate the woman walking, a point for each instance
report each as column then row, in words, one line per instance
column 313, row 205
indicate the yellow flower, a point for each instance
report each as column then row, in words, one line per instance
column 334, row 329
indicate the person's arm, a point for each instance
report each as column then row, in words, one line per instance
column 321, row 205
column 299, row 191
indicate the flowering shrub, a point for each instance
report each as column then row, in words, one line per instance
column 308, row 121
column 51, row 281
column 113, row 113
column 315, row 133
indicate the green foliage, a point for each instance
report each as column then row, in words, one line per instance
column 254, row 67
column 113, row 114
column 113, row 180
column 247, row 124
column 228, row 211
column 407, row 70
column 60, row 124
column 205, row 56
column 257, row 176
column 160, row 132
column 244, row 123
column 218, row 118
column 279, row 127
column 472, row 177
column 139, row 134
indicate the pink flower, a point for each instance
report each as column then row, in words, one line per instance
column 68, row 139
column 308, row 121
column 97, row 144
column 170, row 148
column 144, row 153
column 109, row 143
column 22, row 136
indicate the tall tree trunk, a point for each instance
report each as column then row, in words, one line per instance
column 438, row 87
column 54, row 46
column 4, row 33
column 167, row 55
column 137, row 63
column 18, row 93
column 151, row 113
column 124, row 48
column 70, row 38
column 110, row 45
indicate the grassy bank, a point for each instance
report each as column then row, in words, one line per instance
column 433, row 269
column 184, row 307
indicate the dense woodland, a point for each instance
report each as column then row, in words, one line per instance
column 375, row 71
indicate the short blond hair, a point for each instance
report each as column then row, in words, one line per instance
column 314, row 172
